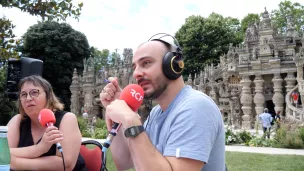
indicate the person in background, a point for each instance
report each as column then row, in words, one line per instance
column 94, row 120
column 266, row 120
column 278, row 119
column 85, row 114
column 32, row 146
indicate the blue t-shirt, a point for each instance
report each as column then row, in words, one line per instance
column 191, row 127
column 266, row 119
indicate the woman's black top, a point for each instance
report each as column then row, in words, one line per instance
column 26, row 139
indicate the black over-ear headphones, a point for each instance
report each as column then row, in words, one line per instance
column 173, row 63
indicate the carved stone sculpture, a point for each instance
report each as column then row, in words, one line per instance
column 248, row 77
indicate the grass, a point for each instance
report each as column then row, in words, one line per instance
column 238, row 161
column 110, row 164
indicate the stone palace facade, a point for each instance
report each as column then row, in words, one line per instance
column 261, row 72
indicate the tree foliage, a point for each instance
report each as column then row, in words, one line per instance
column 8, row 44
column 204, row 39
column 114, row 58
column 249, row 19
column 62, row 49
column 47, row 10
column 7, row 107
column 286, row 9
column 101, row 58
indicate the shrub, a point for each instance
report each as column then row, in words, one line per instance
column 100, row 124
column 260, row 142
column 293, row 140
column 83, row 126
column 289, row 139
column 231, row 138
column 100, row 133
column 245, row 136
column 301, row 133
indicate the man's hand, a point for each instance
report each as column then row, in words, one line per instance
column 110, row 92
column 119, row 111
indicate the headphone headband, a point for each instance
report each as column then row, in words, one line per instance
column 176, row 46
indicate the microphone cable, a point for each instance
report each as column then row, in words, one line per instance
column 58, row 145
column 63, row 160
column 107, row 143
column 104, row 167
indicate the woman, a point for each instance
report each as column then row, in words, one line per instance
column 33, row 146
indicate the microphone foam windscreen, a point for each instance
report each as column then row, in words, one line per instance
column 133, row 95
column 46, row 116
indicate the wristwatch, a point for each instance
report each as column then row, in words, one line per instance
column 134, row 131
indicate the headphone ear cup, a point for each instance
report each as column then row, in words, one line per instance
column 172, row 66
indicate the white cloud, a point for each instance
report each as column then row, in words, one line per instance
column 126, row 24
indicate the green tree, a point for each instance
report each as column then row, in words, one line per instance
column 8, row 44
column 249, row 19
column 7, row 107
column 59, row 46
column 47, row 10
column 101, row 58
column 204, row 39
column 286, row 9
column 114, row 57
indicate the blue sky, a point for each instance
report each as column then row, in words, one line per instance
column 111, row 24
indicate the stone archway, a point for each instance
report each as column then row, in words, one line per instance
column 270, row 106
column 225, row 116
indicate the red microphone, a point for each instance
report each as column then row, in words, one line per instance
column 47, row 118
column 133, row 95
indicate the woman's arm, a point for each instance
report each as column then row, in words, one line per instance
column 13, row 140
column 71, row 139
column 29, row 152
column 13, row 131
column 48, row 163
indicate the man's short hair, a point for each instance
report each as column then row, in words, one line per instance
column 266, row 110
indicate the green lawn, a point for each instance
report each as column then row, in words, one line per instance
column 237, row 161
column 110, row 164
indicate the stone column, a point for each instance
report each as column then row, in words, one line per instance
column 212, row 93
column 246, row 101
column 75, row 108
column 278, row 98
column 300, row 79
column 88, row 91
column 290, row 84
column 235, row 106
column 259, row 98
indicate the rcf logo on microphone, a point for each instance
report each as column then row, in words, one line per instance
column 136, row 95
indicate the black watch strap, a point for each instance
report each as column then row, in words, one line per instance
column 134, row 131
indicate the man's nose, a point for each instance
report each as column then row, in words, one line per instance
column 137, row 73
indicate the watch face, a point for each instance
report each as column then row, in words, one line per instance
column 132, row 131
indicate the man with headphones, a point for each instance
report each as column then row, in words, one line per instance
column 185, row 131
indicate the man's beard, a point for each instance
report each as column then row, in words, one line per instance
column 161, row 87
